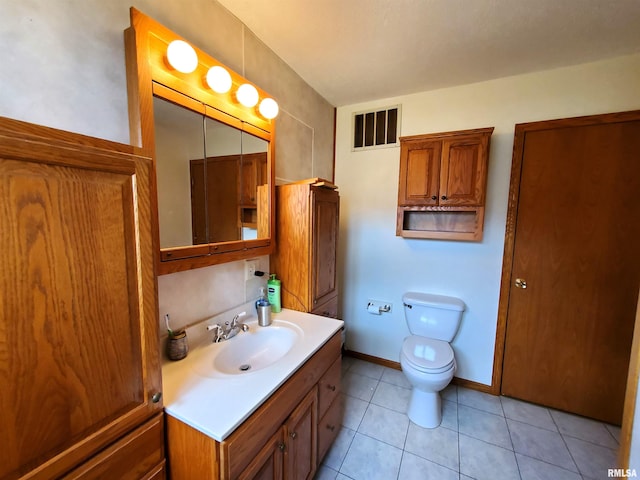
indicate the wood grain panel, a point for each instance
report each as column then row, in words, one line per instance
column 131, row 458
column 463, row 178
column 191, row 454
column 419, row 173
column 325, row 218
column 329, row 386
column 569, row 333
column 300, row 437
column 75, row 232
column 292, row 259
column 329, row 426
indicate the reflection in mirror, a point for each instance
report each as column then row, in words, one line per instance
column 254, row 188
column 212, row 179
column 179, row 138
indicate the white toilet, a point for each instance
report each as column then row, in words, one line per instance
column 426, row 357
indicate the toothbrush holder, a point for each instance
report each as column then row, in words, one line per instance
column 177, row 345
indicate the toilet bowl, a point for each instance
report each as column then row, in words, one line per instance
column 426, row 357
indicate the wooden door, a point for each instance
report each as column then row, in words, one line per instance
column 78, row 325
column 324, row 222
column 463, row 170
column 569, row 331
column 214, row 205
column 419, row 172
column 301, row 439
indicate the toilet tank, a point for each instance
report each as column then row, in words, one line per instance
column 432, row 316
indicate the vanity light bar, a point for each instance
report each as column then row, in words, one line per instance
column 182, row 57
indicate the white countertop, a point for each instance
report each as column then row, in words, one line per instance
column 216, row 405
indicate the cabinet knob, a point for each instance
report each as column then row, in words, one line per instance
column 293, row 435
column 155, row 398
column 281, row 447
column 443, row 197
column 434, row 197
column 331, row 427
column 331, row 387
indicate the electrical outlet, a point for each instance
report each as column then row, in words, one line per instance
column 250, row 267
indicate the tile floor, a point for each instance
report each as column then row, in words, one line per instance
column 481, row 436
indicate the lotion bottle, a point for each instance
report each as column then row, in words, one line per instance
column 273, row 293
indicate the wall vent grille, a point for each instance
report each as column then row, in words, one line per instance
column 377, row 128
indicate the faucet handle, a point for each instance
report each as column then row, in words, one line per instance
column 234, row 322
column 219, row 332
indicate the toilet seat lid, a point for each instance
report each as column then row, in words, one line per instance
column 428, row 354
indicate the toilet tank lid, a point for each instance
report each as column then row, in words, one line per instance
column 436, row 301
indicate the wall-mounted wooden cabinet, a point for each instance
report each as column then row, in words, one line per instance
column 307, row 236
column 442, row 185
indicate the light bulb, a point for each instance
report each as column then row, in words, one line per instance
column 218, row 79
column 247, row 95
column 268, row 108
column 182, row 56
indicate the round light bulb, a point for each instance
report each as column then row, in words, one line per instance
column 268, row 108
column 247, row 95
column 218, row 79
column 182, row 56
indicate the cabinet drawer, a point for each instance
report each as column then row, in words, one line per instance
column 329, row 386
column 138, row 455
column 329, row 427
column 327, row 309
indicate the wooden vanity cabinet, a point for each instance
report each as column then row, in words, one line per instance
column 279, row 440
column 81, row 394
column 307, row 244
column 442, row 184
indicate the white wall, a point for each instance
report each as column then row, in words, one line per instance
column 375, row 264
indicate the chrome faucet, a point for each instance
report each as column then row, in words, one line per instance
column 229, row 329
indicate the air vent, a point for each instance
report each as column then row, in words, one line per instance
column 376, row 129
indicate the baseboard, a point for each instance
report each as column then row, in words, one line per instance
column 370, row 358
column 461, row 382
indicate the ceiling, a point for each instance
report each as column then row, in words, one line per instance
column 352, row 51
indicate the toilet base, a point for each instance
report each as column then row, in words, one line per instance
column 425, row 408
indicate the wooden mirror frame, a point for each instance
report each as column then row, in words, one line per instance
column 149, row 74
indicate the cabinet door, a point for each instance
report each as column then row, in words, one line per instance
column 325, row 217
column 301, row 439
column 214, row 199
column 268, row 463
column 80, row 360
column 419, row 172
column 254, row 173
column 463, row 173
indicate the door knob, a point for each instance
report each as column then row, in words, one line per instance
column 521, row 283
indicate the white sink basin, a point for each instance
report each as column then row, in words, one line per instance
column 248, row 351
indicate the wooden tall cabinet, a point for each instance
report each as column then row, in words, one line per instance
column 79, row 356
column 307, row 243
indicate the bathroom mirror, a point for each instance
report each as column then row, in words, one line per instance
column 214, row 156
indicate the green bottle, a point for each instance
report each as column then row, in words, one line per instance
column 273, row 293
